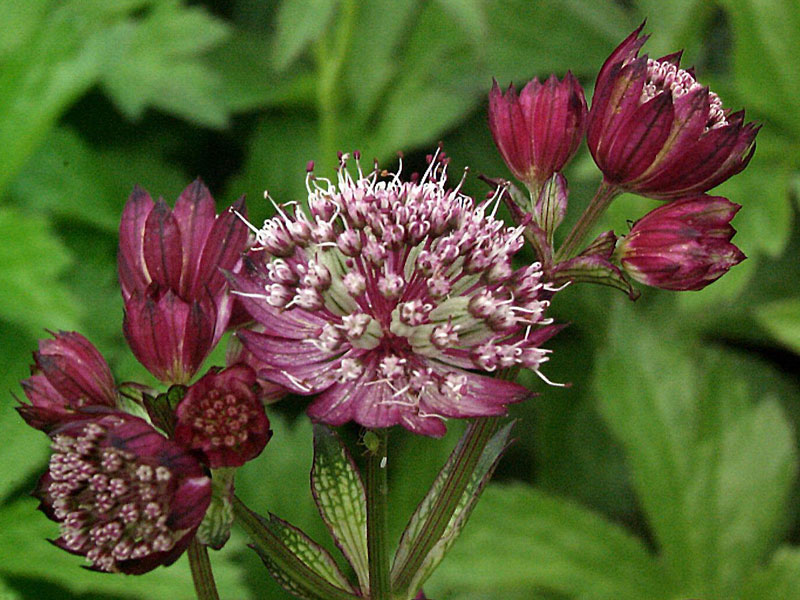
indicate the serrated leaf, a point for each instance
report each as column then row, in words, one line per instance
column 299, row 23
column 414, row 546
column 523, row 540
column 782, row 319
column 299, row 565
column 314, row 556
column 478, row 480
column 33, row 258
column 713, row 472
column 157, row 61
column 341, row 499
column 26, row 553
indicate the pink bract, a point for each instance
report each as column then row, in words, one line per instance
column 171, row 264
column 384, row 301
column 655, row 131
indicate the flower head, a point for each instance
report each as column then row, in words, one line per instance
column 170, row 269
column 654, row 130
column 69, row 375
column 385, row 297
column 124, row 496
column 538, row 131
column 222, row 416
column 683, row 245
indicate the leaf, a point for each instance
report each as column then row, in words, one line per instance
column 341, row 499
column 420, row 550
column 26, row 553
column 781, row 319
column 313, row 556
column 299, row 23
column 156, row 61
column 712, row 471
column 779, row 580
column 70, row 178
column 33, row 260
column 766, row 38
column 24, row 450
column 521, row 539
column 480, row 477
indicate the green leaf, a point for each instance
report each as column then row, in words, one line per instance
column 520, row 539
column 341, row 499
column 69, row 178
column 766, row 38
column 157, row 61
column 782, row 319
column 299, row 23
column 478, row 480
column 712, row 471
column 302, row 567
column 312, row 555
column 779, row 580
column 26, row 553
column 33, row 260
column 418, row 553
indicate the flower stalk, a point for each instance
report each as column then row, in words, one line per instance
column 377, row 524
column 602, row 200
column 202, row 575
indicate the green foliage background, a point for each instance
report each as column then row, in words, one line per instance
column 667, row 470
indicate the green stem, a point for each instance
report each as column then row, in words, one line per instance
column 377, row 521
column 269, row 544
column 602, row 199
column 202, row 576
column 472, row 445
column 330, row 59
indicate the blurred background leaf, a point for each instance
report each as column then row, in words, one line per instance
column 667, row 469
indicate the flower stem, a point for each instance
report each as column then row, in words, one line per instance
column 202, row 576
column 602, row 199
column 377, row 523
column 470, row 449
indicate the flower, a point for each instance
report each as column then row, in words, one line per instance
column 68, row 376
column 124, row 496
column 538, row 131
column 683, row 245
column 381, row 300
column 655, row 131
column 170, row 269
column 222, row 416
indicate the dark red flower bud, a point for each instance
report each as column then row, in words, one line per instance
column 124, row 496
column 655, row 131
column 171, row 264
column 538, row 131
column 683, row 245
column 222, row 416
column 69, row 374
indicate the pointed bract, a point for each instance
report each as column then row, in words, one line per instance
column 683, row 245
column 68, row 376
column 124, row 496
column 655, row 131
column 385, row 301
column 171, row 264
column 539, row 130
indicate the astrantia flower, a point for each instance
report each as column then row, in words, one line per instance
column 222, row 416
column 683, row 245
column 170, row 269
column 654, row 130
column 124, row 496
column 69, row 374
column 382, row 301
column 538, row 131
